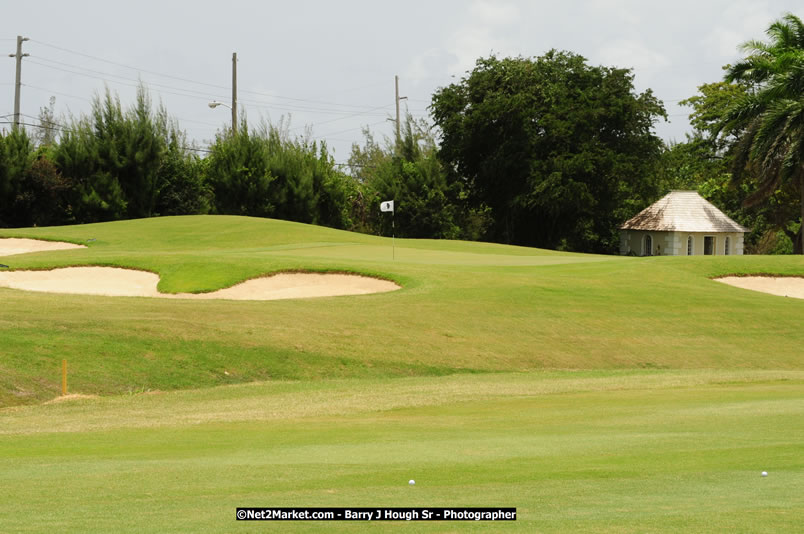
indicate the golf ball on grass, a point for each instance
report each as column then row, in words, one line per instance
column 412, row 482
column 764, row 473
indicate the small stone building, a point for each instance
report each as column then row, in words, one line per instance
column 682, row 223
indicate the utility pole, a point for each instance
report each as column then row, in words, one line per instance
column 234, row 93
column 398, row 98
column 19, row 55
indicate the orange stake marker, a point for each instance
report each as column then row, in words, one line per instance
column 64, row 377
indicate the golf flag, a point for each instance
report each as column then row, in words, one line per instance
column 388, row 205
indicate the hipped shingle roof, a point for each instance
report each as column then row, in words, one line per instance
column 682, row 211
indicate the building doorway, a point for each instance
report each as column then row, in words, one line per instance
column 709, row 245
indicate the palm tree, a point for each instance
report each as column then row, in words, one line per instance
column 769, row 119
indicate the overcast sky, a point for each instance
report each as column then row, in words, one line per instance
column 330, row 65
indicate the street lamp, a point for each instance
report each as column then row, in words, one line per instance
column 233, row 107
column 215, row 104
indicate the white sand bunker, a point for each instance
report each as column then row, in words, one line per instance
column 115, row 282
column 784, row 286
column 12, row 245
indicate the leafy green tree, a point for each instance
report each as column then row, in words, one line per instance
column 96, row 194
column 119, row 161
column 769, row 120
column 708, row 109
column 264, row 173
column 364, row 199
column 47, row 131
column 237, row 172
column 129, row 146
column 44, row 196
column 409, row 173
column 686, row 165
column 705, row 162
column 183, row 190
column 559, row 151
column 335, row 190
column 16, row 157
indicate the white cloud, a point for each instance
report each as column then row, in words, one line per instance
column 737, row 23
column 629, row 53
column 470, row 43
column 484, row 31
column 623, row 12
column 432, row 63
column 494, row 13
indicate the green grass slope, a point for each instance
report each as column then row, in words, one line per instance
column 464, row 308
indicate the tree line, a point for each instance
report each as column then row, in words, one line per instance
column 547, row 151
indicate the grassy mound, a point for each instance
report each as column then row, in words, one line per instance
column 464, row 308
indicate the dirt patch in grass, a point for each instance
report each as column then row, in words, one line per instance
column 71, row 397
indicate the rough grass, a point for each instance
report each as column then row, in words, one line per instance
column 464, row 308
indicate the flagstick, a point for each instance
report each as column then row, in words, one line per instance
column 393, row 244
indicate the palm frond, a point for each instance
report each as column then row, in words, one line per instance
column 742, row 111
column 791, row 167
column 753, row 69
column 742, row 150
column 765, row 189
column 769, row 121
column 781, row 33
column 796, row 30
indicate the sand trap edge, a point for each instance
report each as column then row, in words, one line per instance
column 772, row 284
column 127, row 282
column 12, row 246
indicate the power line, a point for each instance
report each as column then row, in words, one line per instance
column 358, row 88
column 346, row 117
column 363, row 165
column 195, row 149
column 187, row 80
column 96, row 58
column 55, row 126
column 164, row 89
column 103, row 73
column 51, row 91
column 191, row 93
column 128, row 82
column 351, row 129
column 46, row 90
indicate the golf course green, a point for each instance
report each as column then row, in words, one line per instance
column 593, row 393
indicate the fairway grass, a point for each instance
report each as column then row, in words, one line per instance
column 593, row 393
column 593, row 451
